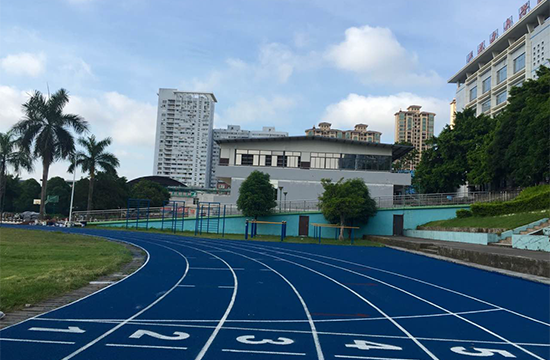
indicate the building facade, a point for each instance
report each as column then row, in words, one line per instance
column 297, row 164
column 415, row 127
column 484, row 83
column 359, row 133
column 235, row 132
column 183, row 144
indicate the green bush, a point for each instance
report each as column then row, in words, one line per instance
column 532, row 191
column 539, row 201
column 463, row 213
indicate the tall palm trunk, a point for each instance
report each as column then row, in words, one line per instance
column 90, row 193
column 45, row 171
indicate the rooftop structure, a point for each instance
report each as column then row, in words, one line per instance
column 359, row 133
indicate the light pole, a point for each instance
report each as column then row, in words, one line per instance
column 280, row 197
column 286, row 192
column 72, row 191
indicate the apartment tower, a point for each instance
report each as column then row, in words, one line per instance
column 415, row 127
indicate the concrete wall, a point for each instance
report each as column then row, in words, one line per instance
column 463, row 237
column 380, row 224
column 531, row 242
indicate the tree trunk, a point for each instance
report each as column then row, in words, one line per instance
column 45, row 171
column 341, row 237
column 90, row 193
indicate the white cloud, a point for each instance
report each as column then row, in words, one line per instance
column 378, row 112
column 24, row 64
column 11, row 111
column 376, row 55
column 257, row 110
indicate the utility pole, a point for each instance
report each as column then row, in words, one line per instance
column 72, row 191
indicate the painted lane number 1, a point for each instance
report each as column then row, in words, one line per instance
column 249, row 339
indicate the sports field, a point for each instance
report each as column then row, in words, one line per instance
column 219, row 299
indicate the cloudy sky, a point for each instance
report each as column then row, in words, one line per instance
column 283, row 63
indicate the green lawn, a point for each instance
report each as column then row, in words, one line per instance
column 268, row 238
column 37, row 265
column 493, row 222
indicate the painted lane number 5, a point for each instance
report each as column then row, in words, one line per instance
column 481, row 352
column 369, row 345
column 249, row 339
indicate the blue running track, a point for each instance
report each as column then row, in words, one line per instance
column 216, row 299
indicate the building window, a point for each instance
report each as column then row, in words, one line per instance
column 502, row 97
column 324, row 161
column 486, row 106
column 519, row 63
column 502, row 75
column 473, row 93
column 486, row 84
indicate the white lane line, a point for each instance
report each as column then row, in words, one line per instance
column 418, row 298
column 148, row 346
column 97, row 292
column 78, row 351
column 187, row 286
column 401, row 328
column 420, row 281
column 39, row 341
column 316, row 341
column 205, row 268
column 264, row 269
column 264, row 352
column 367, row 357
column 226, row 287
column 260, row 321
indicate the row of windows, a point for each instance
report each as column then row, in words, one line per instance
column 502, row 74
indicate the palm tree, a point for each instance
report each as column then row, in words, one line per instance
column 11, row 155
column 45, row 130
column 92, row 158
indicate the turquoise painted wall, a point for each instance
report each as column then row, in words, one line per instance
column 531, row 242
column 380, row 224
column 463, row 237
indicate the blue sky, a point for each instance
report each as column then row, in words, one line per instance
column 283, row 63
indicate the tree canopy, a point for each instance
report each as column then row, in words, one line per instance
column 153, row 191
column 346, row 202
column 256, row 195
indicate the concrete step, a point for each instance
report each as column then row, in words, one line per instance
column 504, row 242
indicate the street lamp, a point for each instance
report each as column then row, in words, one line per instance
column 286, row 192
column 72, row 190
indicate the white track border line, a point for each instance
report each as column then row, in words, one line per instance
column 39, row 341
column 78, row 351
column 316, row 341
column 94, row 293
column 418, row 298
column 410, row 278
column 147, row 346
column 264, row 352
column 401, row 328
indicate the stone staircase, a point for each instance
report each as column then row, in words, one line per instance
column 508, row 240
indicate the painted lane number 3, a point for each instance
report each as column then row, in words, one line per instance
column 369, row 345
column 481, row 352
column 249, row 339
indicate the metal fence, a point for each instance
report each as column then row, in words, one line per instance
column 291, row 206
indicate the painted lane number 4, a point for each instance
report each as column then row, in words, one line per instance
column 369, row 345
column 478, row 352
column 178, row 335
column 249, row 339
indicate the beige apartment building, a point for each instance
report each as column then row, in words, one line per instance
column 360, row 133
column 416, row 127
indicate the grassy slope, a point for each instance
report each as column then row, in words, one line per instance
column 268, row 238
column 493, row 222
column 37, row 265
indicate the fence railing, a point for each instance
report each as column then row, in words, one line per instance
column 290, row 206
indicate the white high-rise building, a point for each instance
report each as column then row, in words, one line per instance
column 235, row 132
column 484, row 83
column 183, row 145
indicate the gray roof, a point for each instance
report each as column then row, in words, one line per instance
column 398, row 151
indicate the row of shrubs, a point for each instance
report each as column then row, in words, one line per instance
column 530, row 199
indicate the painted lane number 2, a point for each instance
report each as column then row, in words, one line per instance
column 250, row 339
column 178, row 335
column 481, row 352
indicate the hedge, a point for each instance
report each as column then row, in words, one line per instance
column 463, row 213
column 540, row 201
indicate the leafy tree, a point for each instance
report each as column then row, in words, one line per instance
column 12, row 192
column 256, row 195
column 111, row 191
column 30, row 190
column 346, row 202
column 57, row 186
column 94, row 157
column 406, row 161
column 11, row 155
column 153, row 191
column 518, row 153
column 45, row 130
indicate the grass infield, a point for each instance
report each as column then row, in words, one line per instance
column 492, row 222
column 38, row 265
